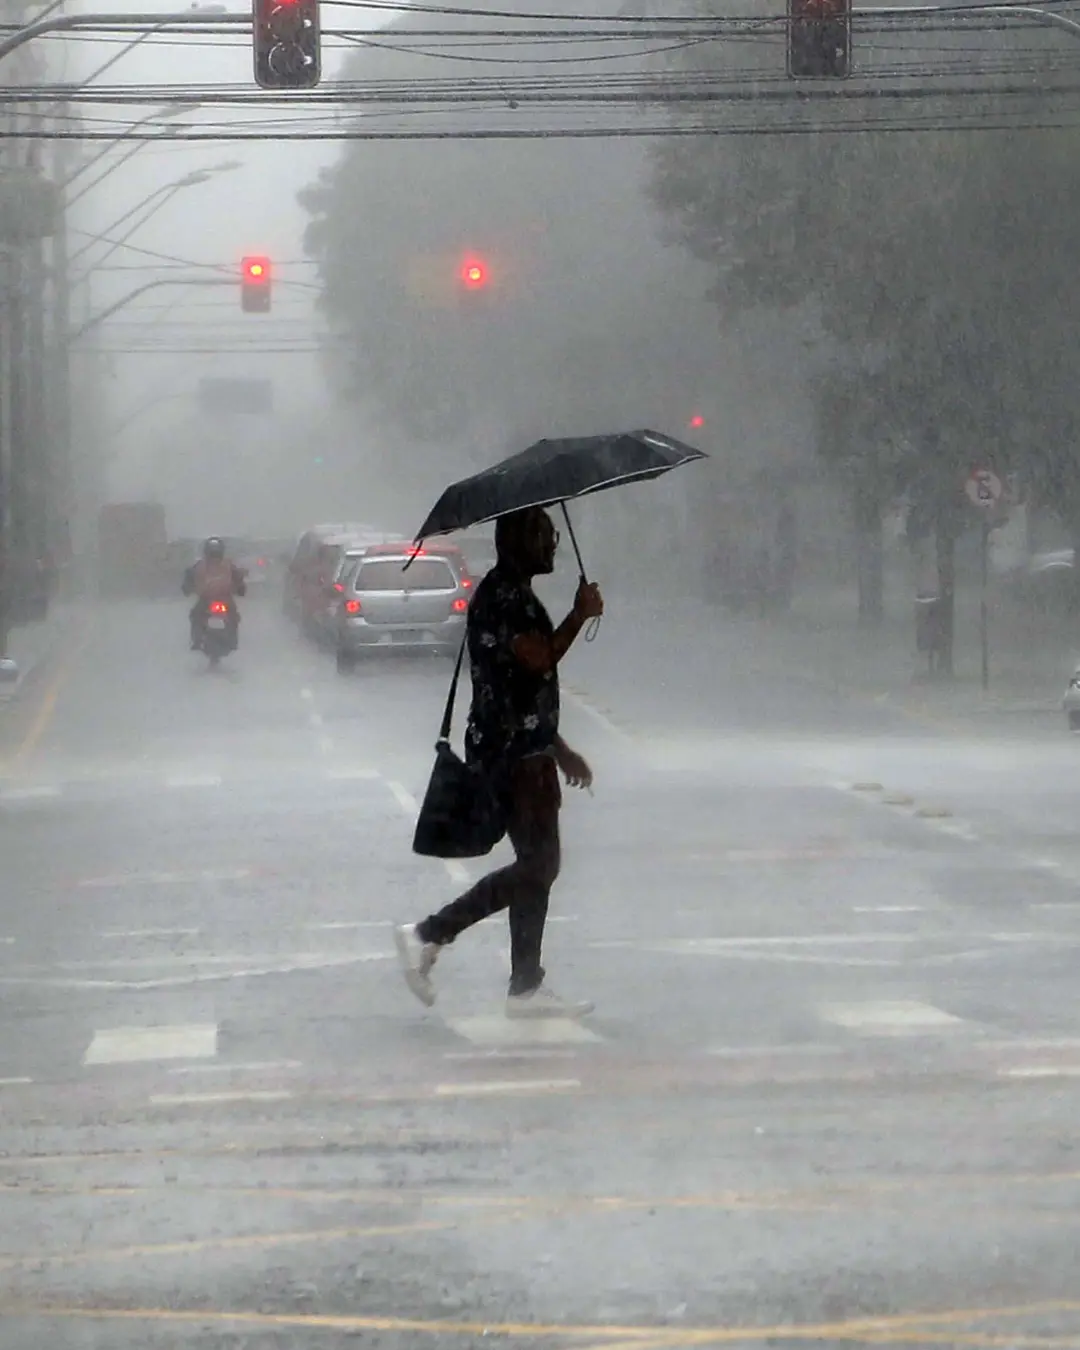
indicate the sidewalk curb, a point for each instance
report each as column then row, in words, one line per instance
column 31, row 674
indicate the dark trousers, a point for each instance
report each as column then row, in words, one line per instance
column 523, row 887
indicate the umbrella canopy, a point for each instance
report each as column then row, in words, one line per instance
column 555, row 471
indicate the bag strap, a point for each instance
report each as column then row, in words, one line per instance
column 448, row 714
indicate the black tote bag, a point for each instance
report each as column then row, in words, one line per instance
column 462, row 814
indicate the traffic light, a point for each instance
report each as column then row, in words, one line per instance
column 819, row 39
column 255, row 285
column 474, row 274
column 285, row 39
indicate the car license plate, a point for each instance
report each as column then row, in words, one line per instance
column 409, row 635
column 215, row 623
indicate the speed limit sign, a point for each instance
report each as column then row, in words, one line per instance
column 984, row 488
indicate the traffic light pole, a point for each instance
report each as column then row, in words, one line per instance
column 1047, row 17
column 66, row 23
column 96, row 320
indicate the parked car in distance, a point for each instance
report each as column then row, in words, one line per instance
column 324, row 620
column 388, row 605
column 314, row 561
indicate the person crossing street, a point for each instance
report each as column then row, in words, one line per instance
column 513, row 735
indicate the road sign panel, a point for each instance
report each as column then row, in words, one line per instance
column 984, row 488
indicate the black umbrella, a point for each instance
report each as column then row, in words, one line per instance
column 551, row 472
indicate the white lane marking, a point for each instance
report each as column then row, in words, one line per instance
column 193, row 780
column 351, row 923
column 346, row 775
column 889, row 909
column 711, row 944
column 215, row 1098
column 256, row 1066
column 497, row 1029
column 306, row 694
column 135, row 1045
column 457, row 871
column 29, row 794
column 900, row 1018
column 123, row 933
column 404, row 797
column 590, row 710
column 15, row 1082
column 204, row 977
column 1033, row 1043
column 1041, row 1071
column 507, row 1086
column 754, row 1051
column 302, row 960
column 205, row 874
column 957, row 829
column 7, row 941
column 521, row 1052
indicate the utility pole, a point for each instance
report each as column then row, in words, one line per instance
column 62, row 523
column 25, row 221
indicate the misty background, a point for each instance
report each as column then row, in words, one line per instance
column 383, row 388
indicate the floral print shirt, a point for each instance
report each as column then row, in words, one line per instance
column 515, row 711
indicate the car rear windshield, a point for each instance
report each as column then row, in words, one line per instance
column 387, row 574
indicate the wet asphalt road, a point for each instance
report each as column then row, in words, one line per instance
column 829, row 1092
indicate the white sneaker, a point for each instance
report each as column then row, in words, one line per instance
column 416, row 957
column 543, row 1003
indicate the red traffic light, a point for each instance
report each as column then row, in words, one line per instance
column 255, row 285
column 474, row 274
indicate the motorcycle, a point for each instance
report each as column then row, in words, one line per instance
column 219, row 632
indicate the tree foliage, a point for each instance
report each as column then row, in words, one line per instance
column 940, row 268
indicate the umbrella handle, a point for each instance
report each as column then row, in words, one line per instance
column 593, row 626
column 573, row 541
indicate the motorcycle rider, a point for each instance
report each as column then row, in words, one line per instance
column 214, row 577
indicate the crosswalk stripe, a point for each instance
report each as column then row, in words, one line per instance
column 507, row 1085
column 27, row 794
column 215, row 1098
column 134, row 1045
column 499, row 1030
column 899, row 1018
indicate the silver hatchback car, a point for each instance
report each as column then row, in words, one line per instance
column 384, row 605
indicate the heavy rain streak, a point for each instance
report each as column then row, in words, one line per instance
column 539, row 663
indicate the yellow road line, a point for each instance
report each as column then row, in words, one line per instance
column 45, row 712
column 811, row 1198
column 244, row 1242
column 914, row 1327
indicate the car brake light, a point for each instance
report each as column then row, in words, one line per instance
column 352, row 606
column 339, row 587
column 219, row 607
column 460, row 606
column 466, row 582
column 260, row 562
